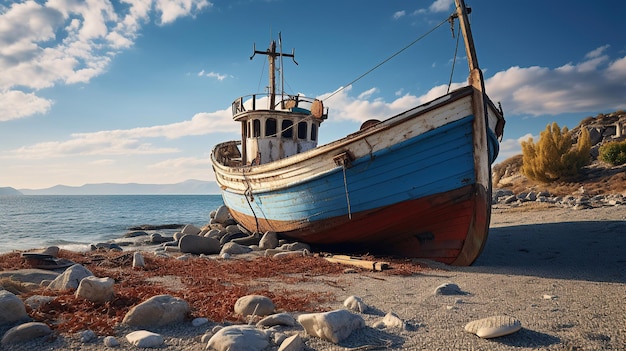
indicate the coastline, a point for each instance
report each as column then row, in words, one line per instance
column 560, row 271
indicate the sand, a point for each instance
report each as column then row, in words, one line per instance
column 561, row 272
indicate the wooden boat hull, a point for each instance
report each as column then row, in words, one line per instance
column 415, row 185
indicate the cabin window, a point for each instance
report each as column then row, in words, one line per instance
column 270, row 127
column 302, row 130
column 287, row 129
column 313, row 132
column 245, row 131
column 256, row 128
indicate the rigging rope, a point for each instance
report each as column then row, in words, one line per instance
column 387, row 59
column 456, row 49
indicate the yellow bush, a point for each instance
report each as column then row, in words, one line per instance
column 553, row 158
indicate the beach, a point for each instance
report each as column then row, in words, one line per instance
column 560, row 271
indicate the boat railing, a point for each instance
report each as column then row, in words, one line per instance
column 228, row 153
column 290, row 103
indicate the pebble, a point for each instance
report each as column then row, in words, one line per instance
column 111, row 341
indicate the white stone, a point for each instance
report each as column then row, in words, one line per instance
column 493, row 327
column 25, row 332
column 70, row 279
column 292, row 343
column 333, row 326
column 138, row 261
column 391, row 320
column 356, row 304
column 277, row 319
column 144, row 338
column 96, row 289
column 256, row 305
column 238, row 338
column 157, row 311
column 11, row 308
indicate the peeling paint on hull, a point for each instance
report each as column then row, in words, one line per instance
column 435, row 227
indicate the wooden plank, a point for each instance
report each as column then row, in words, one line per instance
column 352, row 261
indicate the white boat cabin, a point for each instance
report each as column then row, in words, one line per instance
column 280, row 130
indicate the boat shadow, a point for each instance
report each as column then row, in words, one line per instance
column 589, row 250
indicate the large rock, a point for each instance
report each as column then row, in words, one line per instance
column 195, row 244
column 157, row 311
column 268, row 241
column 191, row 229
column 11, row 308
column 95, row 289
column 256, row 305
column 238, row 338
column 221, row 214
column 70, row 279
column 334, row 326
column 25, row 332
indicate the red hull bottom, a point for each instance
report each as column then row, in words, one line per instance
column 450, row 227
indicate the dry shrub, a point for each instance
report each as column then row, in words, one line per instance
column 553, row 158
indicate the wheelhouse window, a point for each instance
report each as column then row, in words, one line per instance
column 270, row 127
column 313, row 132
column 256, row 128
column 302, row 128
column 287, row 129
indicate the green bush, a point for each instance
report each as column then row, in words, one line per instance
column 614, row 153
column 553, row 158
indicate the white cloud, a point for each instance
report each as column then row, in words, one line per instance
column 173, row 9
column 215, row 75
column 69, row 42
column 512, row 147
column 590, row 85
column 16, row 104
column 440, row 5
column 399, row 14
column 597, row 52
column 135, row 141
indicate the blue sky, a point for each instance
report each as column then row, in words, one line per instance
column 127, row 91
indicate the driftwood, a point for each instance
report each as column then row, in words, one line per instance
column 349, row 260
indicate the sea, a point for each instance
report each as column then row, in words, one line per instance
column 74, row 222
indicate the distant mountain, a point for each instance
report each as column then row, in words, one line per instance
column 188, row 187
column 9, row 191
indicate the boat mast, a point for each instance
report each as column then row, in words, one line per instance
column 476, row 76
column 271, row 56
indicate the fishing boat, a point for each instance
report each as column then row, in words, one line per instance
column 417, row 184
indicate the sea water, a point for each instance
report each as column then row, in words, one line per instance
column 76, row 221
